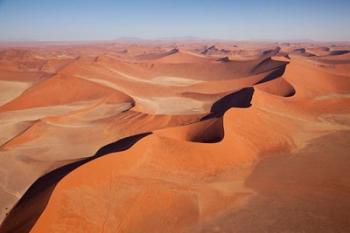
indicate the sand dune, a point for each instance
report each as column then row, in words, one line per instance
column 11, row 90
column 161, row 138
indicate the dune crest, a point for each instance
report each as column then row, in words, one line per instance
column 172, row 138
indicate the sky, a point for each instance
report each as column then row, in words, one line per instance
column 81, row 20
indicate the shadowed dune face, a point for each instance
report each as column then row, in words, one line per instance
column 156, row 138
column 28, row 209
column 278, row 86
column 205, row 131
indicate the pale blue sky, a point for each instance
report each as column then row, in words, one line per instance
column 57, row 20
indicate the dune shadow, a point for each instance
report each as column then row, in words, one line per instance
column 240, row 99
column 211, row 132
column 290, row 93
column 273, row 75
column 24, row 215
column 338, row 52
column 278, row 74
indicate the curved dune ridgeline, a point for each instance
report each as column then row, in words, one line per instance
column 193, row 138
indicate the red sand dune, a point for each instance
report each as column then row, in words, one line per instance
column 243, row 137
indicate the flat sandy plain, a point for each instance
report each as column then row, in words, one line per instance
column 163, row 137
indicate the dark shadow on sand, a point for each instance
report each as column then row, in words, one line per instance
column 240, row 99
column 29, row 208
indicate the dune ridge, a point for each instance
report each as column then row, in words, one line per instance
column 168, row 140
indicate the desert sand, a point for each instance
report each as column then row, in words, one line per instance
column 159, row 136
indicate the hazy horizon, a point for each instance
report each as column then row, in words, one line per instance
column 93, row 20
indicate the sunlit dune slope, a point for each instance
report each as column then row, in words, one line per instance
column 193, row 138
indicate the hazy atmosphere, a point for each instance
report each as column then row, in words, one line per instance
column 221, row 19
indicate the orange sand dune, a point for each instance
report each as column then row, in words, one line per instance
column 60, row 90
column 192, row 137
